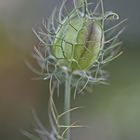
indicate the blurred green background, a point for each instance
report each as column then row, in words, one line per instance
column 112, row 112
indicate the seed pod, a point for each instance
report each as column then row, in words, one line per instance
column 78, row 41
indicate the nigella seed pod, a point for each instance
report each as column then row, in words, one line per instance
column 78, row 42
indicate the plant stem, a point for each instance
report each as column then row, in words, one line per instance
column 67, row 104
column 78, row 4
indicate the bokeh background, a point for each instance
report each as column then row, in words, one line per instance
column 112, row 112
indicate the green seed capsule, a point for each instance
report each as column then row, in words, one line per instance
column 78, row 41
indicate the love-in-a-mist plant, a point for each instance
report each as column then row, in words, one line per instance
column 74, row 46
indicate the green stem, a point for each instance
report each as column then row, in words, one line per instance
column 78, row 4
column 67, row 104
